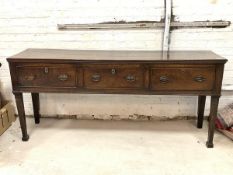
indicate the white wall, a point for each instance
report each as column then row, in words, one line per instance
column 32, row 23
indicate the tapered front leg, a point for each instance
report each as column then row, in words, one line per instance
column 21, row 113
column 36, row 107
column 213, row 114
column 201, row 109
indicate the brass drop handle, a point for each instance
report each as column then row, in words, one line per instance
column 113, row 71
column 30, row 77
column 199, row 79
column 46, row 70
column 164, row 79
column 96, row 77
column 63, row 77
column 130, row 78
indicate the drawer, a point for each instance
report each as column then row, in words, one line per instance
column 58, row 75
column 182, row 78
column 114, row 77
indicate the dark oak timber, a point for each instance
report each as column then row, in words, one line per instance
column 21, row 113
column 36, row 107
column 213, row 114
column 196, row 73
column 200, row 111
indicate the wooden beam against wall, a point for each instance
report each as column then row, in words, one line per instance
column 143, row 25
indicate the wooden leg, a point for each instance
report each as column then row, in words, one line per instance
column 21, row 113
column 36, row 107
column 213, row 114
column 200, row 112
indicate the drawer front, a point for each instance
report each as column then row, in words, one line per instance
column 182, row 78
column 113, row 77
column 59, row 75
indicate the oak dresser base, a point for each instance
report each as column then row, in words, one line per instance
column 196, row 73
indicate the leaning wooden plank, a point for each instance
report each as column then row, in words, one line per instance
column 227, row 133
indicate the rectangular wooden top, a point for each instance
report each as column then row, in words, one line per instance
column 110, row 55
